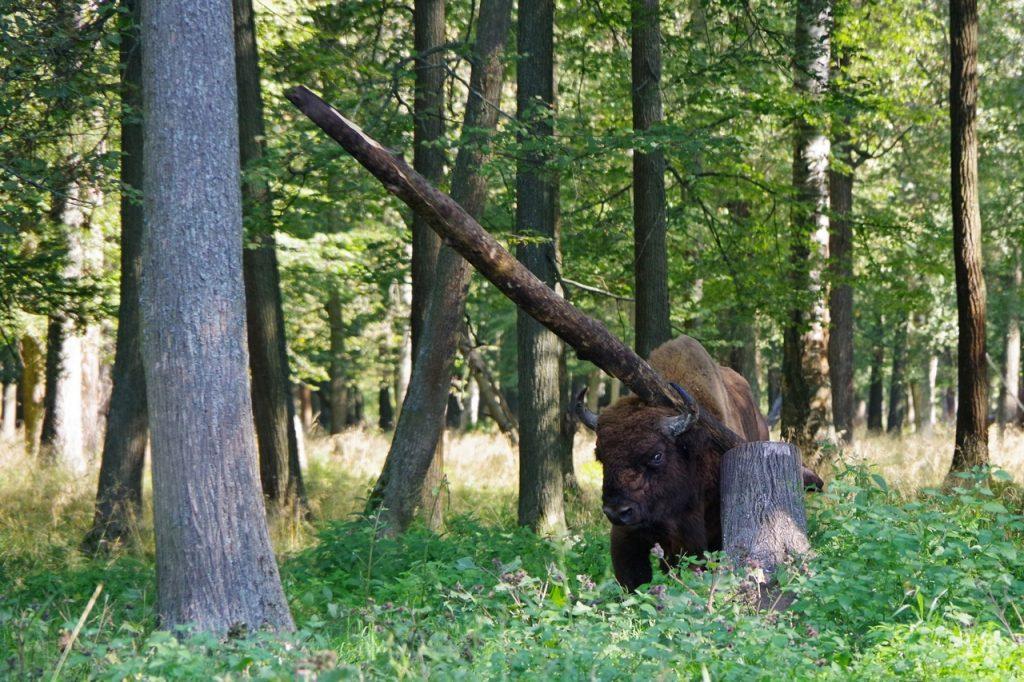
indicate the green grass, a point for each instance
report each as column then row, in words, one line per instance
column 922, row 586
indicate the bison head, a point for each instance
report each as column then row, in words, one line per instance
column 653, row 462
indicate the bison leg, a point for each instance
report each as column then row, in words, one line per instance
column 631, row 557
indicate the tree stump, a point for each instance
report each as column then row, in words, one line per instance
column 763, row 518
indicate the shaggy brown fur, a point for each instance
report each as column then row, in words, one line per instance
column 664, row 490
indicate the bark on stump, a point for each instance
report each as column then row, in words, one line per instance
column 763, row 519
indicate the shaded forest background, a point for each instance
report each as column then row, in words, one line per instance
column 781, row 193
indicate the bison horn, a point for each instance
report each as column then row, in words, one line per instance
column 582, row 412
column 674, row 427
column 678, row 425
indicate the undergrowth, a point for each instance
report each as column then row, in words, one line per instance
column 922, row 586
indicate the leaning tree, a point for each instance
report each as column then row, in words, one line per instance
column 767, row 533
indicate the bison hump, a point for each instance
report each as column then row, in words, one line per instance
column 684, row 360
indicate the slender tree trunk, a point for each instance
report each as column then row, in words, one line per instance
column 338, row 398
column 931, row 394
column 806, row 408
column 33, row 387
column 305, row 395
column 876, row 388
column 897, row 379
column 216, row 569
column 840, row 302
column 650, row 254
column 62, row 434
column 429, row 160
column 273, row 410
column 10, row 423
column 490, row 395
column 119, row 494
column 740, row 333
column 972, row 372
column 473, row 413
column 406, row 482
column 385, row 412
column 1008, row 407
column 541, row 504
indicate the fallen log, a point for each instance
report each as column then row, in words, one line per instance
column 591, row 339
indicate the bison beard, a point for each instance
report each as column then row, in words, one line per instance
column 661, row 483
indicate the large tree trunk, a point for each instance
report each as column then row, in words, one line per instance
column 540, row 475
column 273, row 409
column 591, row 339
column 1010, row 393
column 33, row 387
column 971, row 446
column 806, row 407
column 406, row 483
column 119, row 494
column 897, row 378
column 216, row 569
column 650, row 254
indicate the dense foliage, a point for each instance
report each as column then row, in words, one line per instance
column 926, row 586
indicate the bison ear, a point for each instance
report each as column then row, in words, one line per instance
column 673, row 427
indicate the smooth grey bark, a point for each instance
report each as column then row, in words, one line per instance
column 541, row 498
column 406, row 484
column 216, row 570
column 650, row 253
column 763, row 518
column 119, row 493
column 806, row 404
column 273, row 410
column 971, row 441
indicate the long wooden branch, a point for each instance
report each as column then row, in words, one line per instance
column 591, row 339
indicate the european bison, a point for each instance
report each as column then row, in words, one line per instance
column 661, row 477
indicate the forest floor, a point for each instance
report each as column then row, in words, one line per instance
column 913, row 576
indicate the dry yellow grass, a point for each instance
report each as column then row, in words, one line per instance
column 42, row 506
column 918, row 461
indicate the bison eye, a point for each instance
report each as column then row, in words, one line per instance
column 657, row 458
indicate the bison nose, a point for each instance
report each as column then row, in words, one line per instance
column 621, row 514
